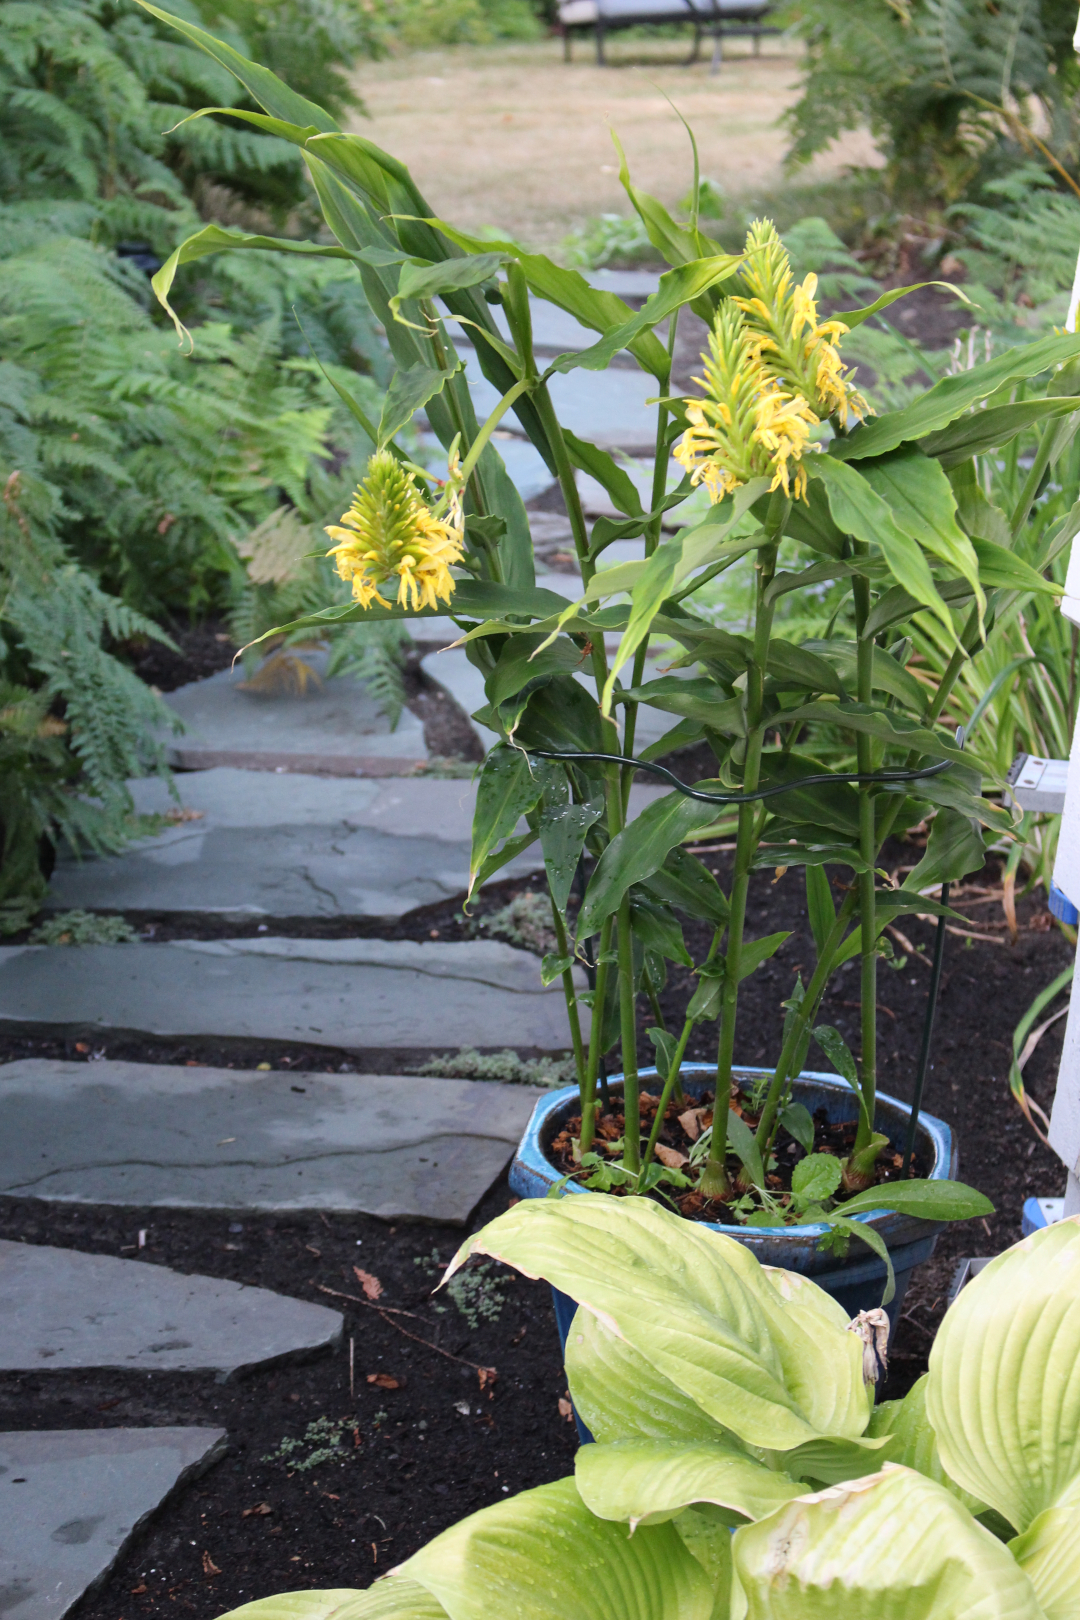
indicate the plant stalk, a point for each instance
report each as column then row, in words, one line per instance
column 714, row 1179
column 588, row 1102
column 666, row 1095
column 868, row 851
column 628, row 1032
column 570, row 993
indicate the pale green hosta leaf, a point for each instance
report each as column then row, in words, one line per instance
column 649, row 1481
column 697, row 1306
column 395, row 1597
column 1049, row 1554
column 1004, row 1388
column 543, row 1556
column 894, row 1546
column 913, row 1442
column 620, row 1396
column 708, row 1537
column 301, row 1606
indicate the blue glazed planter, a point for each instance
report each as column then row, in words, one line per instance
column 855, row 1283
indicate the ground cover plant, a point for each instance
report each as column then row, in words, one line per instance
column 893, row 511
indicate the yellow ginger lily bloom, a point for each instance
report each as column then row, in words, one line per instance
column 389, row 531
column 796, row 348
column 746, row 425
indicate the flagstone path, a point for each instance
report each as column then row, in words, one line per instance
column 358, row 994
column 61, row 1309
column 142, row 1134
column 288, row 846
column 71, row 1499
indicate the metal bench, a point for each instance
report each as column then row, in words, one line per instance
column 715, row 17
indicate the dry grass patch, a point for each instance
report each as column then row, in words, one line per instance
column 512, row 136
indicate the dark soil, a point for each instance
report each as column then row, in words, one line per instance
column 412, row 1458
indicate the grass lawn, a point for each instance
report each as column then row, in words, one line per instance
column 511, row 135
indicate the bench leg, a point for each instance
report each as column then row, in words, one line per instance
column 600, row 61
column 566, row 48
column 757, row 41
column 717, row 51
column 696, row 52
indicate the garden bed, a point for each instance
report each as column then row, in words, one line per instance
column 342, row 1522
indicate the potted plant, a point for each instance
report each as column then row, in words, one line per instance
column 888, row 512
column 728, row 1397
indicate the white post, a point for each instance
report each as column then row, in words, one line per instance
column 1065, row 1118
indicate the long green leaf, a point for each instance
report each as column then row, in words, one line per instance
column 990, row 429
column 855, row 317
column 921, row 499
column 266, row 88
column 507, row 788
column 952, row 396
column 409, row 392
column 677, row 287
column 859, row 510
column 930, row 1200
column 637, row 852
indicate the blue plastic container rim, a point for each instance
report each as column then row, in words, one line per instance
column 532, row 1157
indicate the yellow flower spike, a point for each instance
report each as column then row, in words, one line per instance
column 389, row 532
column 746, row 425
column 798, row 350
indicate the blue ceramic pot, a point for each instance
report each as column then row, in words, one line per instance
column 856, row 1283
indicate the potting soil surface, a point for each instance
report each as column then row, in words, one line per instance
column 328, row 1486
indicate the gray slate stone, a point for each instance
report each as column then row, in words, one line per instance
column 336, row 728
column 151, row 1134
column 70, row 1501
column 360, row 994
column 288, row 846
column 606, row 407
column 62, row 1309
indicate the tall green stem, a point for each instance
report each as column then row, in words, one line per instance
column 628, row 1032
column 714, row 1180
column 868, row 851
column 666, row 1095
column 570, row 992
column 588, row 1106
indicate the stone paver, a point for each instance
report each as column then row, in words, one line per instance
column 336, row 728
column 151, row 1134
column 288, row 846
column 606, row 407
column 71, row 1499
column 366, row 994
column 62, row 1309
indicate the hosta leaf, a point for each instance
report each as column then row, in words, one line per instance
column 395, row 1597
column 649, row 1481
column 621, row 1396
column 912, row 1441
column 1004, row 1389
column 894, row 1546
column 543, row 1556
column 1049, row 1554
column 697, row 1306
column 308, row 1606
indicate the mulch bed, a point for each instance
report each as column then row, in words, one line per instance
column 404, row 1462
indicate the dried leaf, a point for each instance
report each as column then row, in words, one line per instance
column 209, row 1567
column 371, row 1285
column 487, row 1377
column 383, row 1380
column 566, row 1408
column 136, row 1591
column 262, row 1508
column 670, row 1156
column 691, row 1123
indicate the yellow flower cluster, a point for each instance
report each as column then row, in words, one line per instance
column 772, row 373
column 390, row 532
